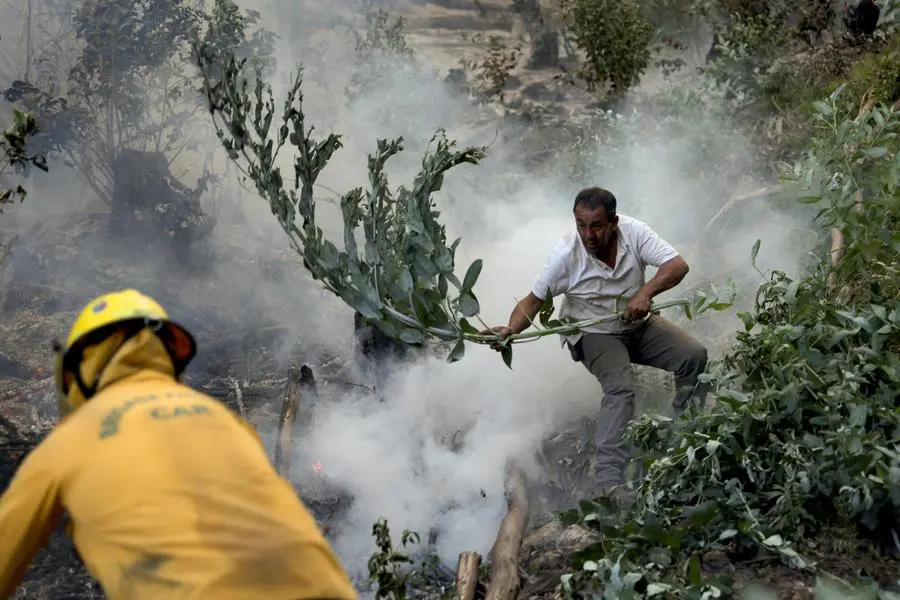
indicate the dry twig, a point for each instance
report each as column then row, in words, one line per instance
column 765, row 192
column 238, row 396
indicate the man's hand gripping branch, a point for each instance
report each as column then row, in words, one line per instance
column 521, row 318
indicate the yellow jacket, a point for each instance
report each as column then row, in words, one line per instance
column 170, row 495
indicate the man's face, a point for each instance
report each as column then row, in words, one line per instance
column 594, row 229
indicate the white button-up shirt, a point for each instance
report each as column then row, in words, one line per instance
column 591, row 289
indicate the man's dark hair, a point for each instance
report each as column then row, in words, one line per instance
column 596, row 197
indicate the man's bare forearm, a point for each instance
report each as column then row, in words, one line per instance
column 670, row 274
column 524, row 313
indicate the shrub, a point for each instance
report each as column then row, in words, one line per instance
column 614, row 36
column 805, row 437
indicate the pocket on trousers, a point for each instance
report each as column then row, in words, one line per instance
column 576, row 350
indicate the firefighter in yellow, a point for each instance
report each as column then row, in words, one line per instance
column 170, row 494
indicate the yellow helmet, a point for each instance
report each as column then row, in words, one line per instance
column 105, row 314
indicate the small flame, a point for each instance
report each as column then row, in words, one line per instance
column 317, row 466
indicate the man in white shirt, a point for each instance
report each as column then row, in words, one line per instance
column 599, row 271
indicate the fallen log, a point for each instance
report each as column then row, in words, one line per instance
column 286, row 422
column 503, row 574
column 467, row 574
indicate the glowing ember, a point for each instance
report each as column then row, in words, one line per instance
column 317, row 466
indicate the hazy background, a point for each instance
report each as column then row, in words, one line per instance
column 389, row 454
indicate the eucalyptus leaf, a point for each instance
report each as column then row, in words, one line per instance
column 466, row 327
column 506, row 352
column 468, row 304
column 411, row 336
column 406, row 280
column 458, row 351
column 472, row 274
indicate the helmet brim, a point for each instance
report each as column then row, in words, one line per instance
column 179, row 342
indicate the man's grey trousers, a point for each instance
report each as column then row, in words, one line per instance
column 657, row 343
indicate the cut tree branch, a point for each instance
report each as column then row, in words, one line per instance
column 467, row 574
column 504, row 582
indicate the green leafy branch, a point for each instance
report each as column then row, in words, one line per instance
column 399, row 275
column 14, row 146
column 386, row 565
column 395, row 574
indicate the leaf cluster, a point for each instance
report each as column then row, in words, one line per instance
column 386, row 565
column 491, row 72
column 132, row 86
column 397, row 575
column 381, row 52
column 744, row 65
column 805, row 436
column 615, row 37
column 14, row 146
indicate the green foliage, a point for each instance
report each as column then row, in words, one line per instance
column 227, row 32
column 747, row 51
column 805, row 436
column 125, row 39
column 394, row 573
column 615, row 38
column 801, row 21
column 129, row 77
column 877, row 74
column 491, row 72
column 381, row 52
column 13, row 145
column 133, row 85
column 854, row 172
column 758, row 43
column 385, row 565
